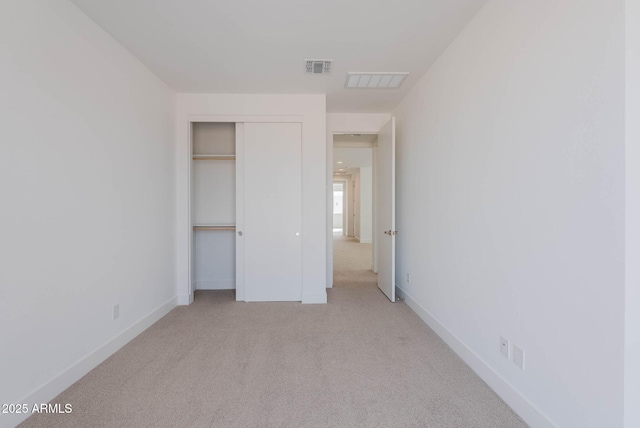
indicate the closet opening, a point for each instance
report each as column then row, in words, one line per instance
column 213, row 206
column 354, row 194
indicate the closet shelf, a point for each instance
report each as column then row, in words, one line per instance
column 214, row 227
column 214, row 157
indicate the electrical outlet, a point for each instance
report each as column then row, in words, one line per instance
column 116, row 311
column 408, row 279
column 518, row 357
column 505, row 347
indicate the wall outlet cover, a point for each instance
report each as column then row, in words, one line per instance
column 505, row 347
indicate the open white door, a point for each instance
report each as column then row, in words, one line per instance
column 386, row 208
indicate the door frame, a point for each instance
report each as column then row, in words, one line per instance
column 195, row 118
column 357, row 145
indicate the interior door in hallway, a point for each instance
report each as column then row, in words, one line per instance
column 272, row 223
column 386, row 207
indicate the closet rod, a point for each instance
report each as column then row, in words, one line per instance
column 214, row 228
column 214, row 157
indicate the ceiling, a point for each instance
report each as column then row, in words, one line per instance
column 351, row 158
column 257, row 46
column 354, row 140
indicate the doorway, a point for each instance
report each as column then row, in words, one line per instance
column 353, row 213
column 339, row 213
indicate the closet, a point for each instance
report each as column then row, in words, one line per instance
column 246, row 205
column 213, row 195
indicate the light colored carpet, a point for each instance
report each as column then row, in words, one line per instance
column 352, row 263
column 359, row 361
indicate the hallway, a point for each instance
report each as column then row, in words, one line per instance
column 352, row 263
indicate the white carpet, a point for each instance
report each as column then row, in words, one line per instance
column 352, row 263
column 358, row 361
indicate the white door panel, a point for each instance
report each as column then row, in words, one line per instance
column 272, row 223
column 385, row 208
column 240, row 290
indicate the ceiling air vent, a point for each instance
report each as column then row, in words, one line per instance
column 318, row 66
column 373, row 80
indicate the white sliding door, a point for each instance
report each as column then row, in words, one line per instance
column 271, row 226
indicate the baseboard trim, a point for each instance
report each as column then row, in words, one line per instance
column 520, row 404
column 185, row 299
column 64, row 380
column 314, row 298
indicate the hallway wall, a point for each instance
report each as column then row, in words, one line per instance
column 366, row 205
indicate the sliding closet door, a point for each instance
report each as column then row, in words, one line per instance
column 272, row 226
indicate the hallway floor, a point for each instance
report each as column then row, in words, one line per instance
column 352, row 263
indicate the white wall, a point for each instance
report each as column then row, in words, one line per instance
column 632, row 291
column 511, row 201
column 343, row 221
column 349, row 229
column 366, row 204
column 337, row 221
column 363, row 203
column 87, row 183
column 356, row 203
column 345, row 123
column 214, row 260
column 312, row 108
column 338, row 202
